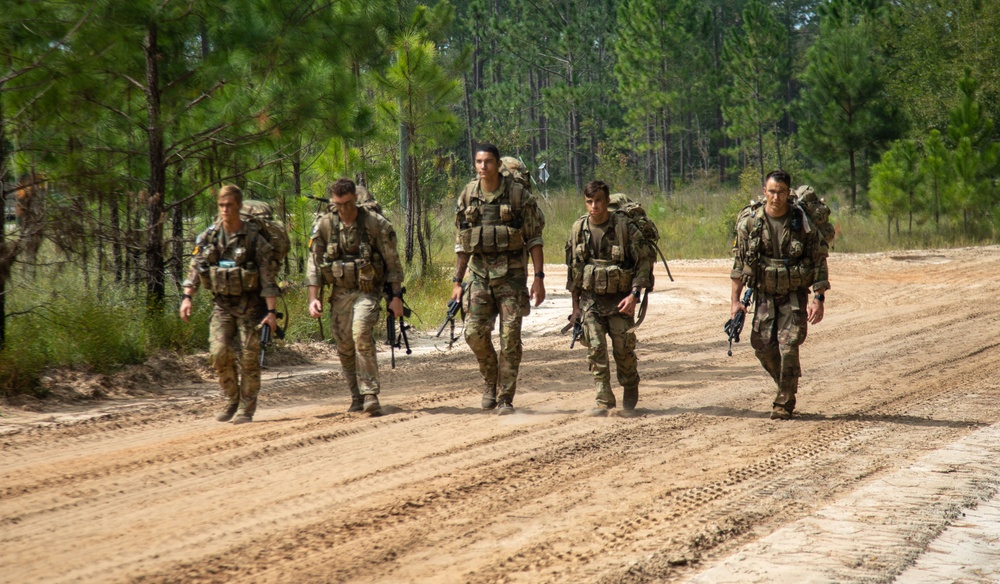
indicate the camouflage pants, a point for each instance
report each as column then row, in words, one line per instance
column 596, row 330
column 507, row 298
column 352, row 319
column 225, row 327
column 778, row 330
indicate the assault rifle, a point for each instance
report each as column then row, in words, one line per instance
column 265, row 338
column 396, row 340
column 577, row 326
column 453, row 308
column 734, row 326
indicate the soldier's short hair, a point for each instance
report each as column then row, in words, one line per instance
column 779, row 176
column 487, row 147
column 344, row 186
column 231, row 191
column 596, row 186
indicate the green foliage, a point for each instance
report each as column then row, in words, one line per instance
column 755, row 58
column 844, row 111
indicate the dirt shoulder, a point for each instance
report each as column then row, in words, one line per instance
column 890, row 464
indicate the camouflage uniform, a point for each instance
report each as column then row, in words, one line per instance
column 239, row 270
column 497, row 230
column 780, row 264
column 601, row 281
column 356, row 263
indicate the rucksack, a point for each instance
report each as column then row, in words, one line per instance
column 518, row 171
column 817, row 210
column 273, row 231
column 620, row 203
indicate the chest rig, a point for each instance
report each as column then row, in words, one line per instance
column 348, row 266
column 792, row 270
column 492, row 227
column 610, row 272
column 229, row 270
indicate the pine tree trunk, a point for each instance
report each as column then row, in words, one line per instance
column 155, row 288
column 4, row 263
column 854, row 183
column 116, row 241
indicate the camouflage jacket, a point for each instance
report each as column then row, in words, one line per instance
column 604, row 279
column 246, row 251
column 498, row 229
column 802, row 261
column 333, row 247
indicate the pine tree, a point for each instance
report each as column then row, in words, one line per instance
column 844, row 112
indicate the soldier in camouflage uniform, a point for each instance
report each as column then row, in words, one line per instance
column 499, row 226
column 607, row 268
column 354, row 251
column 234, row 261
column 780, row 254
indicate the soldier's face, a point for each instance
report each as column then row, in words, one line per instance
column 776, row 193
column 345, row 201
column 597, row 206
column 487, row 166
column 229, row 209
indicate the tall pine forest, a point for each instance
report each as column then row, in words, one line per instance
column 119, row 119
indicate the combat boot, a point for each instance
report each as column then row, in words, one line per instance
column 357, row 403
column 505, row 408
column 780, row 413
column 630, row 397
column 372, row 406
column 600, row 410
column 489, row 397
column 242, row 419
column 227, row 412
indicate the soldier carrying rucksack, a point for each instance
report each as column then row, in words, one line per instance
column 499, row 239
column 780, row 251
column 234, row 260
column 353, row 250
column 609, row 263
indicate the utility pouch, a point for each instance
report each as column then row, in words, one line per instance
column 770, row 280
column 515, row 239
column 614, row 275
column 489, row 242
column 350, row 279
column 616, row 254
column 600, row 280
column 588, row 277
column 250, row 279
column 502, row 240
column 327, row 270
column 472, row 213
column 366, row 276
column 506, row 213
column 783, row 281
column 475, row 237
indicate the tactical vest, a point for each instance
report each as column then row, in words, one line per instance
column 489, row 228
column 600, row 276
column 228, row 277
column 778, row 276
column 364, row 270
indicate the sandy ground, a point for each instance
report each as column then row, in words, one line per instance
column 890, row 472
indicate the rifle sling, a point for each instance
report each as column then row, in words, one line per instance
column 642, row 312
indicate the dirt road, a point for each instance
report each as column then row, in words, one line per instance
column 889, row 473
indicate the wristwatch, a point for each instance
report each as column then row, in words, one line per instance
column 540, row 275
column 183, row 296
column 272, row 311
column 821, row 297
column 636, row 292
